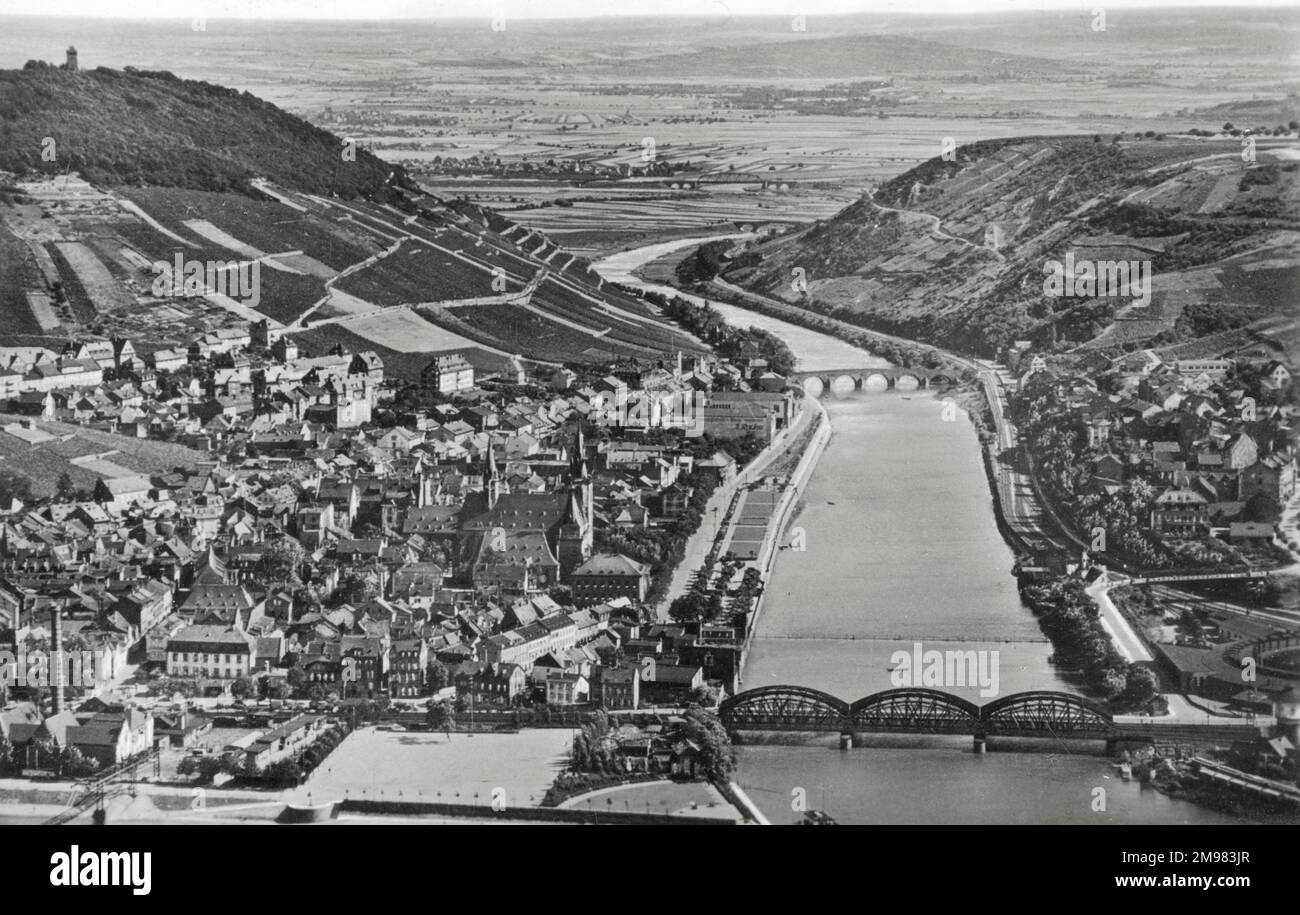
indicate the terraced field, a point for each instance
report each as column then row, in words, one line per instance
column 536, row 337
column 416, row 273
column 264, row 225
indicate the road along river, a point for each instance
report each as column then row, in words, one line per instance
column 902, row 548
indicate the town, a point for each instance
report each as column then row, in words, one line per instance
column 485, row 545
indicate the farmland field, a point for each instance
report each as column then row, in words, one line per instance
column 45, row 461
column 262, row 225
column 539, row 338
column 18, row 273
column 406, row 332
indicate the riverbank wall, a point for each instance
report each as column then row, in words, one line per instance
column 781, row 516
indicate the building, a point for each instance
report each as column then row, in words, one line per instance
column 620, row 687
column 113, row 735
column 567, row 689
column 407, row 667
column 1180, row 512
column 284, row 742
column 606, row 576
column 731, row 414
column 212, row 651
column 448, row 373
column 669, row 684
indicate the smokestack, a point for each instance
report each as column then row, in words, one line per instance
column 56, row 662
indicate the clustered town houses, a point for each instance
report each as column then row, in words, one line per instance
column 316, row 552
column 1214, row 439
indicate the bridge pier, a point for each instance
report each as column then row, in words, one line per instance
column 846, row 740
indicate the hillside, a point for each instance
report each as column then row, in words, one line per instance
column 149, row 168
column 142, row 127
column 955, row 252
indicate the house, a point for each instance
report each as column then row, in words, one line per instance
column 567, row 689
column 620, row 687
column 212, row 651
column 1274, row 476
column 448, row 373
column 113, row 736
column 407, row 667
column 1250, row 533
column 1180, row 512
column 721, row 468
column 179, row 727
column 669, row 684
column 609, row 575
column 122, row 492
column 1275, row 375
column 284, row 742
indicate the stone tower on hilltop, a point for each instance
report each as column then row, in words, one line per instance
column 71, row 65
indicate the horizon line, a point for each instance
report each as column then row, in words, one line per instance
column 1075, row 7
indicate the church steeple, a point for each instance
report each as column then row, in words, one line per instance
column 491, row 477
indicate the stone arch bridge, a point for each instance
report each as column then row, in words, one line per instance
column 875, row 379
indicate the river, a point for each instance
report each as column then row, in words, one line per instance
column 902, row 547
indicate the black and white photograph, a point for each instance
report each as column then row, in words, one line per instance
column 657, row 413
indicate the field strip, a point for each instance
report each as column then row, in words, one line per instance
column 262, row 185
column 371, row 218
column 300, row 321
column 614, row 312
column 594, row 334
column 273, row 261
column 135, row 208
column 251, row 315
column 99, row 284
column 351, row 304
column 42, row 310
column 225, row 239
column 406, row 332
column 106, row 468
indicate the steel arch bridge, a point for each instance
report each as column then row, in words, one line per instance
column 783, row 708
column 1046, row 713
column 916, row 710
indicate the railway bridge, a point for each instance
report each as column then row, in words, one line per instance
column 921, row 710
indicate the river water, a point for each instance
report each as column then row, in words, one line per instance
column 902, row 547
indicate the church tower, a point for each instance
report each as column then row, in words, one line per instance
column 577, row 532
column 491, row 478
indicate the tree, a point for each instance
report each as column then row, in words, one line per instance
column 281, row 561
column 441, row 716
column 436, row 675
column 296, row 677
column 65, row 489
column 717, row 757
column 14, row 485
column 359, row 588
column 1142, row 686
column 704, row 695
column 241, row 688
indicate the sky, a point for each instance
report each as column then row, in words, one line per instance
column 556, row 9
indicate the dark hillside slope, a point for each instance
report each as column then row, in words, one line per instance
column 137, row 127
